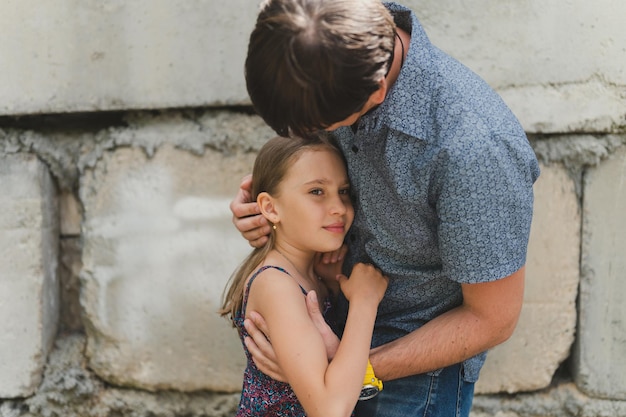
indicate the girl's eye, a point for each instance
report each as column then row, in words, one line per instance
column 344, row 191
column 317, row 191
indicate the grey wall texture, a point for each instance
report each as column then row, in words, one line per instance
column 125, row 129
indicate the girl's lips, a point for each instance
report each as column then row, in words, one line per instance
column 336, row 228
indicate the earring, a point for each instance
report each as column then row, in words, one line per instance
column 274, row 226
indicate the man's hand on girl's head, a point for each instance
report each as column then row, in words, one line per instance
column 246, row 215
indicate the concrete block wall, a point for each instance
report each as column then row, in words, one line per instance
column 559, row 65
column 93, row 56
column 29, row 248
column 545, row 332
column 158, row 250
column 144, row 229
column 600, row 354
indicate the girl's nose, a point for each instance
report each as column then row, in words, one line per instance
column 338, row 205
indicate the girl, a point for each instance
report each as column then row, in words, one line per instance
column 302, row 189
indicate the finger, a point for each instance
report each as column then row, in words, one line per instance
column 257, row 233
column 327, row 257
column 258, row 321
column 259, row 224
column 259, row 243
column 246, row 182
column 318, row 257
column 313, row 306
column 331, row 342
column 251, row 346
column 336, row 255
column 343, row 251
column 243, row 204
column 339, row 253
column 261, row 361
column 341, row 279
column 252, row 228
column 262, row 345
column 243, row 208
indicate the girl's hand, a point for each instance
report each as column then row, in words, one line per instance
column 247, row 217
column 328, row 266
column 334, row 256
column 331, row 341
column 366, row 282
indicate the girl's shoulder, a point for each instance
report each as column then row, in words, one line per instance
column 267, row 271
column 270, row 277
column 263, row 268
column 270, row 287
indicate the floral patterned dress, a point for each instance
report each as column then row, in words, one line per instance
column 262, row 395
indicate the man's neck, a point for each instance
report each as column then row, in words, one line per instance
column 400, row 51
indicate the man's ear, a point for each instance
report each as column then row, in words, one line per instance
column 378, row 96
column 267, row 207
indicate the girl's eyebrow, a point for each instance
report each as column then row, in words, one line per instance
column 325, row 181
column 317, row 181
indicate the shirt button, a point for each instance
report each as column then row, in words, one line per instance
column 355, row 149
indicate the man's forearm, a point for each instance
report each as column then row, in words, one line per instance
column 487, row 318
column 447, row 340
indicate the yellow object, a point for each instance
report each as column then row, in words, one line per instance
column 371, row 385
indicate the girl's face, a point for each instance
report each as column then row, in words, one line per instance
column 313, row 203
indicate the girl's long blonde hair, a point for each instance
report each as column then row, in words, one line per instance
column 270, row 167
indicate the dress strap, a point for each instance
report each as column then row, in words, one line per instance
column 256, row 273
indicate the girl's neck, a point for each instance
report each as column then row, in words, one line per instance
column 300, row 262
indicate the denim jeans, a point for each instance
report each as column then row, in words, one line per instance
column 437, row 394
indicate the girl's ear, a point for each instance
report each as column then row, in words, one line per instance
column 267, row 207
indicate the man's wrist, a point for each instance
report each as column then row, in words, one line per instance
column 371, row 384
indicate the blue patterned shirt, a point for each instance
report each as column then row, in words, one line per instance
column 442, row 174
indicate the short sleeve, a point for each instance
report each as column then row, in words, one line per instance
column 484, row 204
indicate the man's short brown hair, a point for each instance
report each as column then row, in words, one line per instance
column 313, row 63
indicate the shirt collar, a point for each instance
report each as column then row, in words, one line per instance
column 409, row 86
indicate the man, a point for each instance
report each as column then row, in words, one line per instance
column 442, row 177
